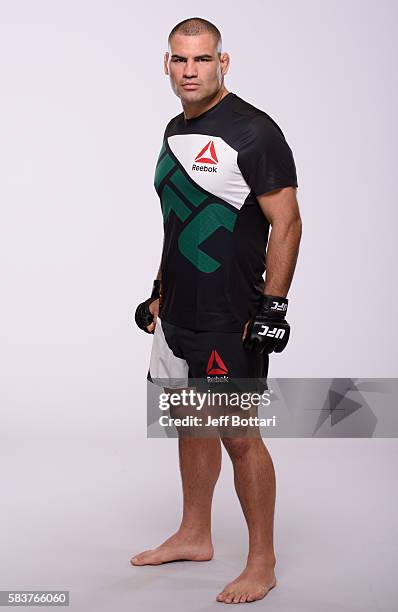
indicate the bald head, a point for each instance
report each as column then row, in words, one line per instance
column 195, row 26
column 195, row 63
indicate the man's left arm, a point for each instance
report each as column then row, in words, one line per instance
column 282, row 211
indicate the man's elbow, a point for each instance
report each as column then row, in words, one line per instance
column 298, row 226
column 289, row 226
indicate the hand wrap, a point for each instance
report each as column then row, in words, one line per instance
column 143, row 316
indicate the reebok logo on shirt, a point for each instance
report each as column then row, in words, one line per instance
column 208, row 156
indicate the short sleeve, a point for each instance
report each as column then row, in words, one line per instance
column 265, row 159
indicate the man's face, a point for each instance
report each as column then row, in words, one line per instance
column 195, row 67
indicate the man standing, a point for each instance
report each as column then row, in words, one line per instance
column 225, row 174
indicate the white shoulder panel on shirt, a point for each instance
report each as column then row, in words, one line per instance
column 212, row 164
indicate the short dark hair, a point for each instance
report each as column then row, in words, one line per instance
column 194, row 26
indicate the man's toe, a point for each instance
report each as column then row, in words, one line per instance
column 139, row 559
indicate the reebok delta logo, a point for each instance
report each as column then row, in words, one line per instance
column 206, row 156
column 216, row 366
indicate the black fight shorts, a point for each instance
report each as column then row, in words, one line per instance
column 210, row 360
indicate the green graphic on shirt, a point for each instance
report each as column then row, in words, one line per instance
column 194, row 196
column 208, row 221
column 163, row 167
column 171, row 201
column 213, row 216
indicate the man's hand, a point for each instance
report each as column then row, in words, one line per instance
column 147, row 313
column 268, row 331
column 154, row 310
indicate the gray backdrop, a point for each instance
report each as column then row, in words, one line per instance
column 84, row 103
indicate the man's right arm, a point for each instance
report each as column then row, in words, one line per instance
column 154, row 306
column 150, row 308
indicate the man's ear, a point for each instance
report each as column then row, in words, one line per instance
column 165, row 62
column 225, row 61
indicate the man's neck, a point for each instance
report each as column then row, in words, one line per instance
column 194, row 110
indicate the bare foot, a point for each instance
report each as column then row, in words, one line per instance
column 253, row 583
column 178, row 547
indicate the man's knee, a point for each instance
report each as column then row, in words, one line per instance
column 237, row 448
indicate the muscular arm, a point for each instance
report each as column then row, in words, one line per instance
column 282, row 211
column 154, row 307
column 159, row 274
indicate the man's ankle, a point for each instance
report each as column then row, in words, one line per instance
column 261, row 559
column 195, row 532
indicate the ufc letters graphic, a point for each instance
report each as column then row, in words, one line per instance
column 281, row 307
column 276, row 332
column 213, row 215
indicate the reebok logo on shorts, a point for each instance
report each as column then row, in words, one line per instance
column 215, row 368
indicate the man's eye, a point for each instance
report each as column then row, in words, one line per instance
column 178, row 59
column 204, row 59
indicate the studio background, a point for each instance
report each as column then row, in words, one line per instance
column 84, row 103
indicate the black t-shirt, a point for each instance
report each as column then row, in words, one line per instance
column 209, row 172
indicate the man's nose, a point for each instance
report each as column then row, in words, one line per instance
column 190, row 69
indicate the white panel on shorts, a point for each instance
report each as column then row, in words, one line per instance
column 165, row 368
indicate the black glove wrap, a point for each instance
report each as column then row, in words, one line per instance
column 268, row 331
column 143, row 316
